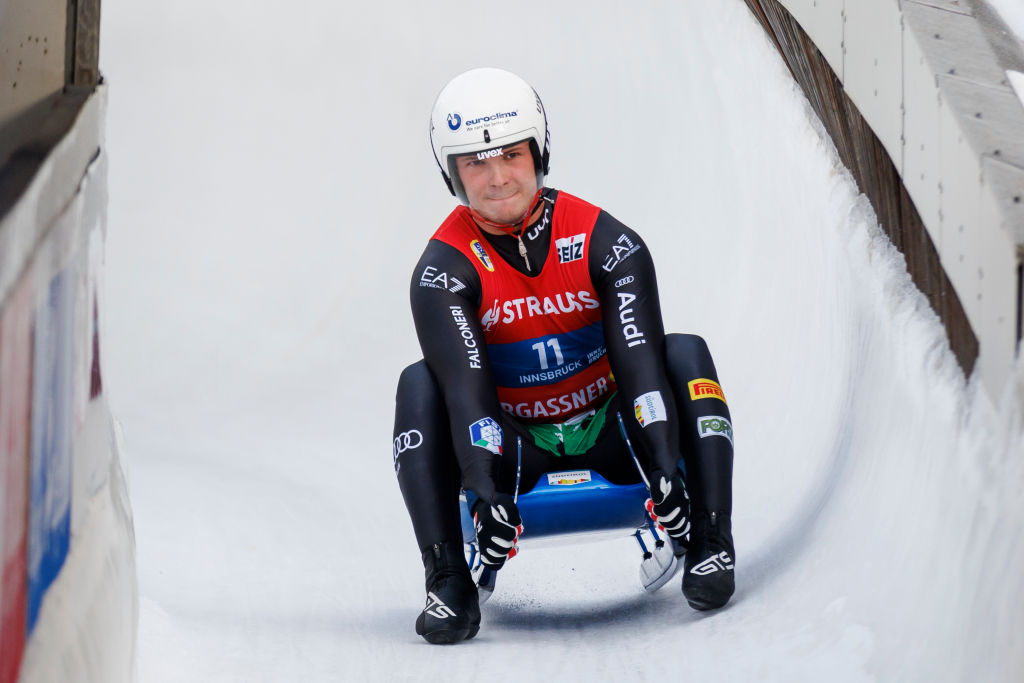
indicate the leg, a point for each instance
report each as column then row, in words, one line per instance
column 425, row 464
column 707, row 443
column 429, row 478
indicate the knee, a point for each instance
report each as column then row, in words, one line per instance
column 416, row 382
column 687, row 357
column 414, row 374
column 686, row 346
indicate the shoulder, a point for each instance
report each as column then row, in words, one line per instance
column 569, row 203
column 443, row 269
column 439, row 255
column 609, row 227
column 612, row 243
column 456, row 224
column 606, row 226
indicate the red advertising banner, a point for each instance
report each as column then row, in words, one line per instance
column 15, row 440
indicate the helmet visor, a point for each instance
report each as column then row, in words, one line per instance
column 490, row 153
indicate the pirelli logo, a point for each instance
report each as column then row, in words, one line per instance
column 705, row 388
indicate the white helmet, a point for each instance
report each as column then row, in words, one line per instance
column 483, row 109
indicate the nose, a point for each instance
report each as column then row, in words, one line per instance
column 499, row 175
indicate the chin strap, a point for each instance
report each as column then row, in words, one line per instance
column 510, row 228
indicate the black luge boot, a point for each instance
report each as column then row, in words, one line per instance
column 709, row 578
column 452, row 612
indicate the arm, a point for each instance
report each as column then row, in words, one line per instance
column 445, row 294
column 622, row 271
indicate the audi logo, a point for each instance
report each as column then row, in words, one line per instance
column 624, row 281
column 407, row 441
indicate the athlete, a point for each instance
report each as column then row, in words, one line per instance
column 538, row 317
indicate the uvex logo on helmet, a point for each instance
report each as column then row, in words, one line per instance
column 454, row 121
column 489, row 154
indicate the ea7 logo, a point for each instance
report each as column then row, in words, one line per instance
column 620, row 251
column 431, row 277
column 570, row 248
column 436, row 608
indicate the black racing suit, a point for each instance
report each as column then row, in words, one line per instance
column 441, row 395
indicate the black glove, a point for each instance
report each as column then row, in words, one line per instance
column 497, row 529
column 669, row 505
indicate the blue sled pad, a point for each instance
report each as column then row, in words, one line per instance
column 573, row 501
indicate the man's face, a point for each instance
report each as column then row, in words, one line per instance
column 500, row 183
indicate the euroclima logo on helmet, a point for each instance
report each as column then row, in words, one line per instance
column 454, row 121
column 498, row 117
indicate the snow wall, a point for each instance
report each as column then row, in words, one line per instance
column 940, row 84
column 68, row 604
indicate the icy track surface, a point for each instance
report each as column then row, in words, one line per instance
column 271, row 188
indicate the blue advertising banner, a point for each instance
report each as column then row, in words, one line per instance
column 50, row 488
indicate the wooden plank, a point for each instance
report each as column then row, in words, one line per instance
column 876, row 175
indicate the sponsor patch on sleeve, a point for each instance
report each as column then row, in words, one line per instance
column 705, row 388
column 486, row 434
column 714, row 425
column 649, row 407
column 568, row 478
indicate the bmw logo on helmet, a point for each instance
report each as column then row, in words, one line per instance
column 454, row 121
